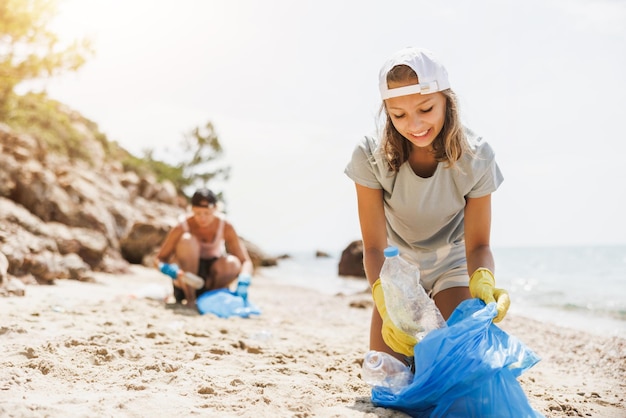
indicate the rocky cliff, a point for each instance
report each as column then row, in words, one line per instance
column 64, row 218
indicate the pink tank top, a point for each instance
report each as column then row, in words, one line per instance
column 214, row 248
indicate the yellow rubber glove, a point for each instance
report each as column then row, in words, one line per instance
column 482, row 286
column 396, row 339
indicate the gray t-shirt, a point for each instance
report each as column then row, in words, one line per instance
column 425, row 215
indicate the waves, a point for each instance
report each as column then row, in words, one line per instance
column 577, row 287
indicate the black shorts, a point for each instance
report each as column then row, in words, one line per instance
column 204, row 271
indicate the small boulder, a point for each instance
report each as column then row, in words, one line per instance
column 351, row 262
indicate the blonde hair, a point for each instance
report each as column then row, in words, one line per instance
column 449, row 145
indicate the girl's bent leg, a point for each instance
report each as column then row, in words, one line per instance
column 448, row 299
column 376, row 337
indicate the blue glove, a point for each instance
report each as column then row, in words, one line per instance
column 243, row 282
column 169, row 270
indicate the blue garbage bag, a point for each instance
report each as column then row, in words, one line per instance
column 225, row 303
column 468, row 369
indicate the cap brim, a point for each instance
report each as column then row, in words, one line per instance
column 422, row 88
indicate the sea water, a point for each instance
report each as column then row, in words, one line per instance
column 577, row 287
column 305, row 269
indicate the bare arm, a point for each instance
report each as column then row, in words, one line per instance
column 169, row 245
column 477, row 234
column 236, row 247
column 373, row 229
column 374, row 234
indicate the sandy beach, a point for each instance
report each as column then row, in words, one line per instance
column 102, row 349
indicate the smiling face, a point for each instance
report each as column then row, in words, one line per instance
column 423, row 128
column 417, row 117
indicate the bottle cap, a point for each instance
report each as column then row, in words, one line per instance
column 391, row 251
column 373, row 359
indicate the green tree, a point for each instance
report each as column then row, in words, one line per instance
column 201, row 153
column 29, row 50
column 204, row 149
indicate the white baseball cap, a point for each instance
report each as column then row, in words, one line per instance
column 431, row 74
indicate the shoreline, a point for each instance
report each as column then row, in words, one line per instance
column 85, row 349
column 329, row 283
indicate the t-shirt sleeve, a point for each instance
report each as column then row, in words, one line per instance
column 490, row 177
column 362, row 167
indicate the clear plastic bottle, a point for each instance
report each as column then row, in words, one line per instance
column 383, row 370
column 191, row 279
column 407, row 303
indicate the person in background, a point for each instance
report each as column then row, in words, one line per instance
column 204, row 243
column 425, row 187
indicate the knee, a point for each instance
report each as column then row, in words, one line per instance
column 187, row 247
column 226, row 268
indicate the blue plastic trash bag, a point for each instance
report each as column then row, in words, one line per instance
column 468, row 369
column 224, row 303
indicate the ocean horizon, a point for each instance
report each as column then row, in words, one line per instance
column 579, row 287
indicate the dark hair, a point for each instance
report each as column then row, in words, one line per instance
column 449, row 145
column 203, row 197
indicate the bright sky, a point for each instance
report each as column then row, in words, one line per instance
column 291, row 86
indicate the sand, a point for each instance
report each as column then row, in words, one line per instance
column 76, row 349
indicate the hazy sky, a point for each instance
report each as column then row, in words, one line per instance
column 291, row 86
